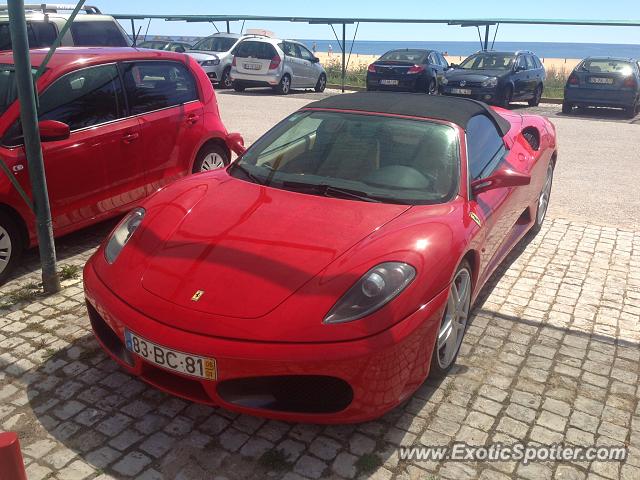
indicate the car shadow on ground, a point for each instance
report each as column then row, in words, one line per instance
column 121, row 426
column 72, row 245
column 269, row 92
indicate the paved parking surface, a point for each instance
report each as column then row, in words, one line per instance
column 551, row 356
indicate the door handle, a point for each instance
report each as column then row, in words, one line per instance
column 192, row 119
column 130, row 137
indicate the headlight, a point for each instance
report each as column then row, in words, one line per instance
column 122, row 233
column 444, row 81
column 210, row 63
column 376, row 288
column 490, row 82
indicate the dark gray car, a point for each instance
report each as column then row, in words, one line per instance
column 497, row 77
column 604, row 82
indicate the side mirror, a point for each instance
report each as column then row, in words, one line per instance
column 180, row 49
column 452, row 65
column 520, row 68
column 315, row 60
column 53, row 130
column 500, row 179
column 236, row 143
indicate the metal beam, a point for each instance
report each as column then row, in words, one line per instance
column 33, row 149
column 344, row 47
column 486, row 38
column 339, row 20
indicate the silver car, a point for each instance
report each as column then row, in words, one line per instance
column 279, row 64
column 214, row 56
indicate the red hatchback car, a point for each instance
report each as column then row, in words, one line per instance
column 116, row 124
column 332, row 267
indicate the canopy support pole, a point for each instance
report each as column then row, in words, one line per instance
column 32, row 146
column 486, row 37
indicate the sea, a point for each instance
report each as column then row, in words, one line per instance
column 542, row 49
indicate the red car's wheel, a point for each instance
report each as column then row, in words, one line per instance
column 543, row 201
column 453, row 324
column 211, row 157
column 10, row 246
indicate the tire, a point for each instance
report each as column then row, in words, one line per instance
column 238, row 87
column 567, row 108
column 225, row 79
column 454, row 320
column 537, row 95
column 284, row 87
column 507, row 95
column 630, row 112
column 546, row 190
column 11, row 246
column 211, row 157
column 432, row 87
column 321, row 84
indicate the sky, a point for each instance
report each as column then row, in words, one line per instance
column 574, row 9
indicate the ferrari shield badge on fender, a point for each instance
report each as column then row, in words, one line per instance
column 197, row 296
column 475, row 218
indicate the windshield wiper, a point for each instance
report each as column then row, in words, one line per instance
column 248, row 174
column 331, row 191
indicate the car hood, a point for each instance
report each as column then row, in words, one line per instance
column 473, row 75
column 201, row 56
column 249, row 247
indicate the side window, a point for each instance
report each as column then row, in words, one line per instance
column 96, row 34
column 485, row 147
column 443, row 61
column 521, row 62
column 537, row 61
column 154, row 85
column 304, row 53
column 531, row 64
column 432, row 59
column 84, row 98
column 290, row 50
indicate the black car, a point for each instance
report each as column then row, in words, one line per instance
column 604, row 82
column 497, row 77
column 412, row 70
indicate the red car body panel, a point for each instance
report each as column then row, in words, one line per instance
column 269, row 279
column 86, row 182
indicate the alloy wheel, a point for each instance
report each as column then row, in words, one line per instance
column 545, row 194
column 5, row 249
column 226, row 80
column 286, row 84
column 455, row 319
column 322, row 83
column 212, row 161
column 432, row 87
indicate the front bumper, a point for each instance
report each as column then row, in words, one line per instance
column 214, row 72
column 599, row 97
column 488, row 95
column 339, row 382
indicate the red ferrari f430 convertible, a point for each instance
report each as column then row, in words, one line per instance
column 329, row 270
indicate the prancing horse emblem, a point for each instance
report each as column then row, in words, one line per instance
column 197, row 296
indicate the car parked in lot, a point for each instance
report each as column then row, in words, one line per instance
column 497, row 78
column 45, row 21
column 604, row 82
column 279, row 64
column 324, row 274
column 409, row 70
column 117, row 124
column 169, row 45
column 214, row 55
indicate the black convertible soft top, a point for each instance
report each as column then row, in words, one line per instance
column 452, row 109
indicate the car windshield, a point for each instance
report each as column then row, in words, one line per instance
column 606, row 66
column 356, row 156
column 215, row 44
column 413, row 56
column 488, row 61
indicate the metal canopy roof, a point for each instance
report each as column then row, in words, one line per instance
column 471, row 22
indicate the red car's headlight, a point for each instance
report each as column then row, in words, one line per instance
column 122, row 233
column 375, row 289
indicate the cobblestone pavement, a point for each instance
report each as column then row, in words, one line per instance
column 551, row 355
